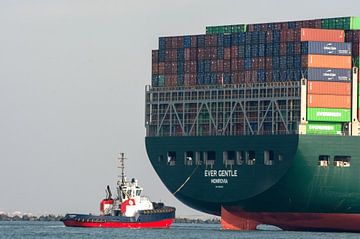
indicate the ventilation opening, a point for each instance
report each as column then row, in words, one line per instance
column 188, row 158
column 209, row 158
column 161, row 158
column 280, row 157
column 342, row 161
column 171, row 158
column 324, row 160
column 199, row 158
column 250, row 157
column 269, row 157
column 229, row 158
column 240, row 157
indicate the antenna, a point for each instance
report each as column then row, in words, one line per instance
column 121, row 158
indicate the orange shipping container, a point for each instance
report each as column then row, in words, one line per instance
column 329, row 101
column 329, row 88
column 324, row 35
column 329, row 61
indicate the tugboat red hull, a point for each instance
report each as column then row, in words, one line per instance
column 155, row 218
column 166, row 223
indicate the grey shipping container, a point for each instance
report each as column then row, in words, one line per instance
column 326, row 48
column 324, row 74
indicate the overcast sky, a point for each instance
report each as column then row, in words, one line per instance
column 72, row 78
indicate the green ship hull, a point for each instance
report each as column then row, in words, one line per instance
column 305, row 175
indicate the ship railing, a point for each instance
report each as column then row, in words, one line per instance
column 223, row 86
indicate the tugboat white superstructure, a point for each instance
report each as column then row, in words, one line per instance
column 129, row 209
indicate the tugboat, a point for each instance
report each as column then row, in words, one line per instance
column 129, row 209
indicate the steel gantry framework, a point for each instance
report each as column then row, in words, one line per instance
column 246, row 109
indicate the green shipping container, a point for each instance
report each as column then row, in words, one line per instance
column 161, row 80
column 355, row 23
column 324, row 128
column 357, row 62
column 358, row 96
column 228, row 29
column 344, row 23
column 328, row 114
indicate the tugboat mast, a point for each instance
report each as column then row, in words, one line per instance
column 121, row 158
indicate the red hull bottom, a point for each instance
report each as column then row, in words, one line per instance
column 240, row 220
column 157, row 224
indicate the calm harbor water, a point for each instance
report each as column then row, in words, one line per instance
column 27, row 230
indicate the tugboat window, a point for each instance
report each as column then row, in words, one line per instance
column 342, row 161
column 324, row 160
column 171, row 158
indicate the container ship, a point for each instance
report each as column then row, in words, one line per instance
column 259, row 123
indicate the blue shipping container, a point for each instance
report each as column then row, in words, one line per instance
column 248, row 63
column 323, row 74
column 181, row 54
column 220, row 53
column 241, row 51
column 227, row 40
column 326, row 48
column 262, row 37
column 269, row 50
column 227, row 78
column 207, row 66
column 261, row 75
column 241, row 38
column 200, row 79
column 248, row 50
column 220, row 40
column 200, row 40
column 161, row 43
column 155, row 80
column 276, row 36
column 248, row 39
column 213, row 78
column 187, row 41
column 200, row 66
column 261, row 50
column 254, row 50
column 276, row 49
column 180, row 79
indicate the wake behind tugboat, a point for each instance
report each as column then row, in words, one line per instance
column 127, row 210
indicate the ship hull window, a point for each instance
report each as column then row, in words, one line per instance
column 199, row 158
column 229, row 158
column 161, row 158
column 240, row 157
column 342, row 161
column 171, row 158
column 188, row 158
column 209, row 158
column 324, row 160
column 250, row 157
column 269, row 157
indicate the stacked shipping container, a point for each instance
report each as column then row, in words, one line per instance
column 243, row 57
column 330, row 97
column 318, row 50
column 354, row 38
